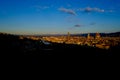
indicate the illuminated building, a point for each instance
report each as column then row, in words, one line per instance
column 97, row 36
column 88, row 36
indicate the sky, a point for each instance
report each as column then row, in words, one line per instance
column 59, row 16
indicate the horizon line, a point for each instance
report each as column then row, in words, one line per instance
column 55, row 33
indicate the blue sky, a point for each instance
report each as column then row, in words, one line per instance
column 59, row 16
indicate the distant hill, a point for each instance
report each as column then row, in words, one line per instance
column 115, row 34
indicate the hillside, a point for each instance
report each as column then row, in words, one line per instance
column 27, row 51
column 115, row 34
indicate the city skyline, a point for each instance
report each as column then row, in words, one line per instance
column 59, row 16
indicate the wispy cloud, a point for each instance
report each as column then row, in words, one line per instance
column 90, row 9
column 78, row 25
column 69, row 11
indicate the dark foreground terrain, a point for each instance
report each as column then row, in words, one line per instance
column 29, row 52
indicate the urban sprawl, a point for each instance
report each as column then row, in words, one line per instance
column 93, row 41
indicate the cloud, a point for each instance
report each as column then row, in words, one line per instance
column 98, row 10
column 69, row 11
column 89, row 9
column 78, row 25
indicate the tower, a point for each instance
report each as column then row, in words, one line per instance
column 68, row 36
column 97, row 36
column 88, row 36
